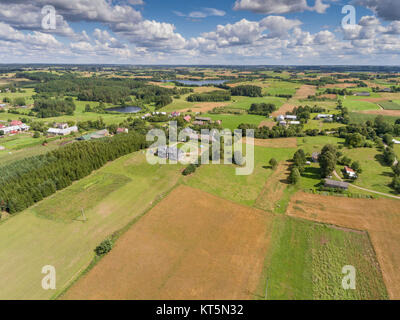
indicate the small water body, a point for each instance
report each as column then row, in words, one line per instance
column 129, row 109
column 199, row 82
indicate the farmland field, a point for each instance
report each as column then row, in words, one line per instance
column 389, row 105
column 29, row 241
column 306, row 260
column 379, row 217
column 203, row 248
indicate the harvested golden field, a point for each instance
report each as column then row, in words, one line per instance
column 275, row 143
column 340, row 85
column 381, row 218
column 206, row 89
column 287, row 107
column 206, row 106
column 304, row 91
column 192, row 245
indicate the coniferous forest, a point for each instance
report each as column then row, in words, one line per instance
column 32, row 179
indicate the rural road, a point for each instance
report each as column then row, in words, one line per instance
column 368, row 190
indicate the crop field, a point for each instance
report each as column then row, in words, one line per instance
column 52, row 234
column 306, row 260
column 232, row 121
column 203, row 248
column 357, row 105
column 282, row 87
column 389, row 105
column 379, row 217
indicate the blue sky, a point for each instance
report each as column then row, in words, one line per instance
column 200, row 32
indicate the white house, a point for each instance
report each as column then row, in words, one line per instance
column 396, row 141
column 63, row 131
column 280, row 118
column 294, row 122
column 15, row 129
column 324, row 116
column 290, row 117
column 350, row 172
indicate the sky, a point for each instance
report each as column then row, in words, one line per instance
column 189, row 32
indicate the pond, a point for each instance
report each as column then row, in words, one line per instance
column 129, row 109
column 198, row 82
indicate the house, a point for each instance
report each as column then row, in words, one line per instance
column 291, row 117
column 282, row 123
column 171, row 153
column 62, row 130
column 387, row 90
column 198, row 123
column 203, row 119
column 349, row 172
column 15, row 123
column 2, row 148
column 15, row 129
column 187, row 118
column 147, row 115
column 280, row 118
column 363, row 94
column 294, row 122
column 315, row 156
column 61, row 125
column 2, row 105
column 324, row 116
column 336, row 184
column 175, row 114
column 122, row 130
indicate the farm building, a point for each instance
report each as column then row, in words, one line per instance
column 324, row 116
column 291, row 117
column 62, row 130
column 15, row 128
column 363, row 94
column 203, row 119
column 396, row 141
column 349, row 172
column 282, row 123
column 294, row 122
column 329, row 183
column 280, row 118
column 95, row 135
column 198, row 123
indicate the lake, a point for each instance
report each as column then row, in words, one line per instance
column 199, row 82
column 130, row 109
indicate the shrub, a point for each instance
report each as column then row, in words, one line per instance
column 104, row 247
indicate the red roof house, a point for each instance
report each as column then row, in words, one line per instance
column 16, row 123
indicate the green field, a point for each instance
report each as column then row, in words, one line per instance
column 222, row 181
column 282, row 87
column 29, row 242
column 306, row 260
column 356, row 105
column 389, row 105
column 231, row 121
column 363, row 117
column 246, row 102
column 375, row 176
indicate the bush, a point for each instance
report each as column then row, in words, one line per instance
column 273, row 163
column 104, row 247
column 191, row 168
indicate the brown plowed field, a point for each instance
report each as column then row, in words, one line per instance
column 192, row 245
column 393, row 113
column 381, row 218
column 287, row 107
column 304, row 91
